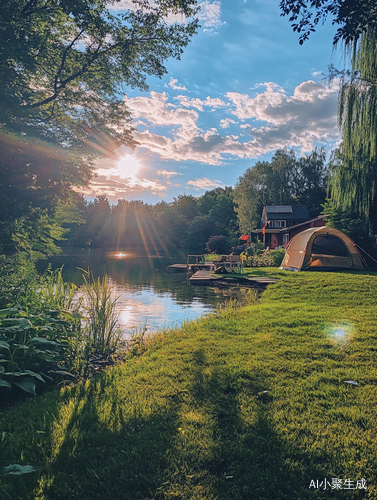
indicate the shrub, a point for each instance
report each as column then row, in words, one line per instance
column 277, row 256
column 256, row 256
column 32, row 349
column 218, row 244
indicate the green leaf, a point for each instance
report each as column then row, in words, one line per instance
column 33, row 374
column 27, row 384
column 71, row 313
column 46, row 328
column 18, row 470
column 8, row 312
column 21, row 347
column 41, row 340
column 4, row 345
column 2, row 369
column 16, row 322
column 3, row 383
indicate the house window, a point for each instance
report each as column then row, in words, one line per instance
column 277, row 223
column 285, row 239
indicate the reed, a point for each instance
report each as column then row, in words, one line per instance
column 102, row 318
column 55, row 292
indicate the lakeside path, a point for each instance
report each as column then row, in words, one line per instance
column 190, row 418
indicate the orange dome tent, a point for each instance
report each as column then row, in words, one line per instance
column 321, row 249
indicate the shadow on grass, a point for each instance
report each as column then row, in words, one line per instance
column 250, row 460
column 107, row 445
column 98, row 456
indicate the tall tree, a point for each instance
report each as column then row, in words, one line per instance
column 64, row 67
column 284, row 180
column 353, row 183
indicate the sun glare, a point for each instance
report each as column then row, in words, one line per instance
column 128, row 166
column 340, row 334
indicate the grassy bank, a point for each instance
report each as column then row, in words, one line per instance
column 190, row 418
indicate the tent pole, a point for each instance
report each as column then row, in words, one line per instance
column 374, row 260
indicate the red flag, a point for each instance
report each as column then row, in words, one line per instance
column 264, row 229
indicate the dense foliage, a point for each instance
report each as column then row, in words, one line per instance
column 353, row 17
column 186, row 223
column 48, row 330
column 65, row 67
column 354, row 181
column 285, row 180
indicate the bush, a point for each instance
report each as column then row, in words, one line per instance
column 254, row 257
column 277, row 256
column 218, row 244
column 47, row 329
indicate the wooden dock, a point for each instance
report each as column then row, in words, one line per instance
column 183, row 268
column 205, row 278
column 177, row 268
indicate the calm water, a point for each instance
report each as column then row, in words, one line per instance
column 147, row 292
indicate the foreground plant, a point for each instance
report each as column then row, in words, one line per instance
column 99, row 308
column 28, row 354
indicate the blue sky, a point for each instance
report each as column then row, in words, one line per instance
column 243, row 88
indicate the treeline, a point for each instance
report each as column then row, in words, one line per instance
column 184, row 224
column 187, row 223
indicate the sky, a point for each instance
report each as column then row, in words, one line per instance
column 242, row 89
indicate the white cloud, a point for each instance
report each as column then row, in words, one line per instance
column 115, row 187
column 173, row 84
column 204, row 183
column 167, row 173
column 303, row 119
column 226, row 122
column 306, row 117
column 210, row 13
column 122, row 5
column 211, row 102
column 157, row 111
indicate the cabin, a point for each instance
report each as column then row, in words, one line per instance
column 279, row 223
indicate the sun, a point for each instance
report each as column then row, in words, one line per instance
column 128, row 166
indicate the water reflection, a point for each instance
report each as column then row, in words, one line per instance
column 147, row 292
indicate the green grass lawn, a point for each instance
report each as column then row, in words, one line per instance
column 190, row 418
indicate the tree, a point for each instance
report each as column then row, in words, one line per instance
column 353, row 183
column 310, row 181
column 348, row 221
column 284, row 180
column 65, row 66
column 218, row 244
column 354, row 17
column 219, row 206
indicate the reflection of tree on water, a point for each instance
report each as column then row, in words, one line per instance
column 147, row 291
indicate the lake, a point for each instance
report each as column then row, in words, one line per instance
column 147, row 293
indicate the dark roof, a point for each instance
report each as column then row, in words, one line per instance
column 287, row 212
column 279, row 209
